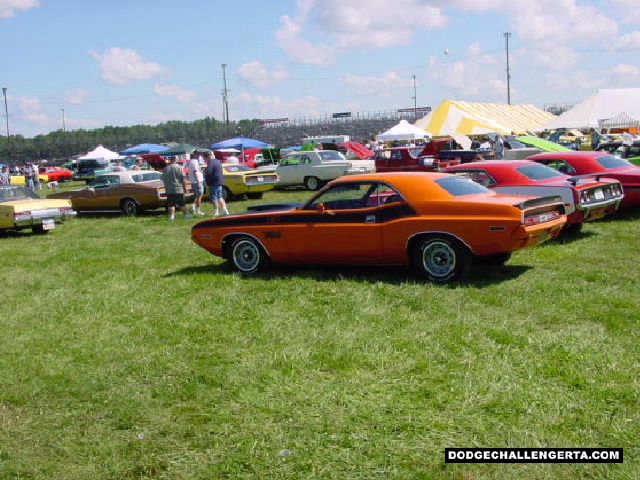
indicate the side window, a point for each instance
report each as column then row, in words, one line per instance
column 397, row 155
column 305, row 160
column 482, row 177
column 293, row 160
column 564, row 167
column 345, row 197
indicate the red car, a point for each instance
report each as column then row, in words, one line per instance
column 409, row 159
column 585, row 199
column 601, row 163
column 56, row 174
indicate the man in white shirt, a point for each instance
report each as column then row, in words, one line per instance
column 196, row 179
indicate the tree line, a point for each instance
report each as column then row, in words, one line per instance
column 62, row 145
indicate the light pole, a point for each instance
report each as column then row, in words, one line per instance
column 6, row 114
column 415, row 101
column 506, row 39
column 64, row 136
column 224, row 98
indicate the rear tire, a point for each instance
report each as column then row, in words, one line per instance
column 246, row 256
column 441, row 259
column 573, row 228
column 130, row 207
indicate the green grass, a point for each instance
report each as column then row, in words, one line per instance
column 130, row 353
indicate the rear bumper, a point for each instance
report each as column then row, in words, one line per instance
column 40, row 217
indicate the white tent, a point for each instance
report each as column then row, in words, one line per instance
column 607, row 106
column 100, row 152
column 403, row 131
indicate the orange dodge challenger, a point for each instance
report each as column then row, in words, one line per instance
column 435, row 223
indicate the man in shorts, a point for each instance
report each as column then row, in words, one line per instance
column 197, row 182
column 214, row 177
column 175, row 184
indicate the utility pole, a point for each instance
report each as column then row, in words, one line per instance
column 64, row 136
column 6, row 114
column 506, row 39
column 415, row 101
column 225, row 99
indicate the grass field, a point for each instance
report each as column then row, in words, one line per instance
column 128, row 352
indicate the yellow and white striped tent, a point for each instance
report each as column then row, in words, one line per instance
column 454, row 116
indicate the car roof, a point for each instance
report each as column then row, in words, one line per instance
column 570, row 154
column 504, row 164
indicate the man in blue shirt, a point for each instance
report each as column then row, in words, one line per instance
column 214, row 178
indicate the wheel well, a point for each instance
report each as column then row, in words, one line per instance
column 122, row 200
column 414, row 240
column 228, row 240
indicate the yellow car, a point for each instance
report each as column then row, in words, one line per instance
column 241, row 180
column 21, row 208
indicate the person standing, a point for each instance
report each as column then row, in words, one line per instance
column 28, row 175
column 214, row 177
column 5, row 178
column 498, row 147
column 196, row 178
column 175, row 184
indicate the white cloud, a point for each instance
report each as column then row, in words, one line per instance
column 8, row 8
column 625, row 74
column 558, row 22
column 77, row 96
column 627, row 11
column 474, row 75
column 631, row 41
column 353, row 24
column 265, row 106
column 378, row 85
column 299, row 49
column 257, row 74
column 181, row 94
column 560, row 58
column 122, row 66
column 31, row 109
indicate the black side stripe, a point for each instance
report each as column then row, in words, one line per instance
column 380, row 215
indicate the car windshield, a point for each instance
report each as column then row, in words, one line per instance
column 458, row 186
column 611, row 161
column 236, row 168
column 16, row 192
column 539, row 172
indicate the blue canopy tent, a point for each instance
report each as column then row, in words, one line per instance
column 144, row 148
column 240, row 143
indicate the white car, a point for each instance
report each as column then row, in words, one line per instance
column 314, row 168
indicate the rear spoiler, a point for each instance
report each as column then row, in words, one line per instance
column 573, row 180
column 540, row 201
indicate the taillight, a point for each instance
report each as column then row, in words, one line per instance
column 542, row 217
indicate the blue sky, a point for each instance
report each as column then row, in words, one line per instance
column 126, row 62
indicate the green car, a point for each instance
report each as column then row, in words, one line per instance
column 628, row 152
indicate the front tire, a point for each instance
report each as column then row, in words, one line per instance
column 130, row 207
column 312, row 183
column 247, row 256
column 441, row 259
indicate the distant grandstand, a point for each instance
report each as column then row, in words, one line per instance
column 360, row 126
